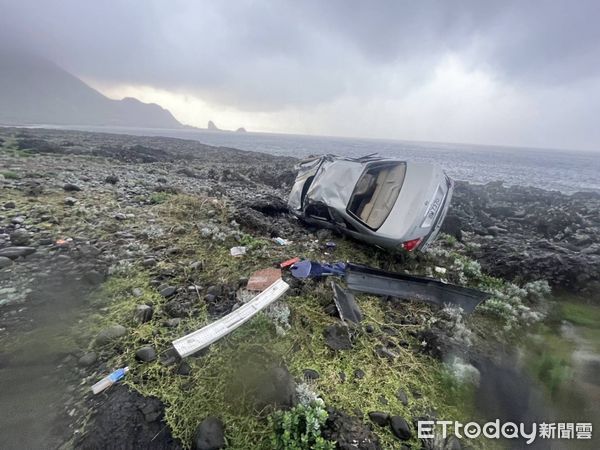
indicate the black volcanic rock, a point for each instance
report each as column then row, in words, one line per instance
column 400, row 428
column 210, row 435
column 526, row 234
column 126, row 419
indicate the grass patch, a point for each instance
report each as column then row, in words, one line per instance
column 581, row 314
column 10, row 175
column 548, row 358
column 300, row 429
column 218, row 384
column 454, row 392
column 158, row 197
column 552, row 371
column 586, row 317
column 10, row 147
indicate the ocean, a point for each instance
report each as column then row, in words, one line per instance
column 565, row 171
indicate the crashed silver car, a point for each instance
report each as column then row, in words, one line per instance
column 383, row 201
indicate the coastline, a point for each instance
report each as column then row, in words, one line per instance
column 178, row 203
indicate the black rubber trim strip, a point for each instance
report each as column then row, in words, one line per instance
column 409, row 287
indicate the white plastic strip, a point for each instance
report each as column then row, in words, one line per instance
column 203, row 337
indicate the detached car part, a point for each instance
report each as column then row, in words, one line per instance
column 346, row 304
column 313, row 269
column 382, row 201
column 379, row 282
column 193, row 342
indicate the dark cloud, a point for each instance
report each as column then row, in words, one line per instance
column 259, row 55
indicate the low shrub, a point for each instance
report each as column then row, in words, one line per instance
column 300, row 428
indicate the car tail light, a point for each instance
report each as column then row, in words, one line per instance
column 411, row 245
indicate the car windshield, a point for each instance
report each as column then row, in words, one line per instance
column 376, row 192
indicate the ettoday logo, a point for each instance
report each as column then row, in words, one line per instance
column 426, row 429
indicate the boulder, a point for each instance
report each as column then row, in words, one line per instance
column 142, row 314
column 337, row 337
column 276, row 388
column 184, row 369
column 380, row 418
column 209, row 435
column 149, row 262
column 359, row 374
column 146, row 354
column 88, row 359
column 311, row 374
column 16, row 252
column 400, row 428
column 349, row 432
column 126, row 419
column 168, row 291
column 173, row 322
column 70, row 187
column 110, row 334
column 402, row 397
column 20, row 238
column 5, row 262
column 178, row 308
column 384, row 352
column 453, row 226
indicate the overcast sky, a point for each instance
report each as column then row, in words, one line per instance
column 504, row 72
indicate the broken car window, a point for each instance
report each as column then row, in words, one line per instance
column 376, row 192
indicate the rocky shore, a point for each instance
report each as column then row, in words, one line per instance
column 525, row 234
column 113, row 245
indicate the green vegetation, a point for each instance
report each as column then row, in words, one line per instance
column 510, row 306
column 10, row 147
column 159, row 197
column 9, row 175
column 219, row 381
column 549, row 353
column 300, row 428
column 455, row 392
column 252, row 243
column 191, row 237
column 581, row 314
column 586, row 317
column 214, row 388
column 218, row 384
column 552, row 371
column 549, row 358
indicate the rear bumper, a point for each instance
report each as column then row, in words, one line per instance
column 428, row 239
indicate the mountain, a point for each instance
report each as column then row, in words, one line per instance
column 34, row 90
